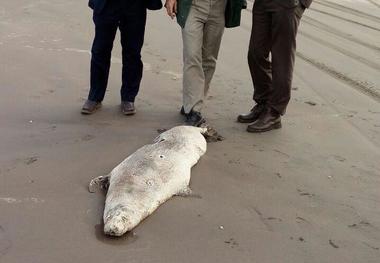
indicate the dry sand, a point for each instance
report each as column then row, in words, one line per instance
column 306, row 193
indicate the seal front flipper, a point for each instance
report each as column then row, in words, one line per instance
column 185, row 192
column 101, row 182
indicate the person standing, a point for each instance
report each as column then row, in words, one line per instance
column 274, row 31
column 129, row 16
column 202, row 23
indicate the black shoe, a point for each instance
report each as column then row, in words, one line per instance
column 182, row 111
column 253, row 115
column 89, row 107
column 268, row 120
column 128, row 108
column 194, row 118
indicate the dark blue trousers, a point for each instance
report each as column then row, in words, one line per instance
column 129, row 16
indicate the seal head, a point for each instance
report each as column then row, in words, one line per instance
column 117, row 221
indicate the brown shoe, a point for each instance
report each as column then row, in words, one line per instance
column 89, row 107
column 268, row 120
column 128, row 108
column 253, row 115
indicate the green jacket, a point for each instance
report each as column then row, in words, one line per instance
column 233, row 12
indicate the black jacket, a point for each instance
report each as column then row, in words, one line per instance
column 98, row 5
column 306, row 3
column 293, row 3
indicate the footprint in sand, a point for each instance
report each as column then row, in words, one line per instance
column 5, row 243
column 232, row 242
column 339, row 158
column 331, row 242
column 311, row 103
column 31, row 160
column 87, row 137
column 304, row 193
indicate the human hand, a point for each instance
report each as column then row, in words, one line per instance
column 171, row 8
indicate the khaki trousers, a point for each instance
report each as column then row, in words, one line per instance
column 201, row 37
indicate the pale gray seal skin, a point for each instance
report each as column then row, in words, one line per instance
column 149, row 177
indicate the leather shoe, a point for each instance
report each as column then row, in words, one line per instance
column 89, row 107
column 194, row 118
column 128, row 108
column 268, row 120
column 253, row 115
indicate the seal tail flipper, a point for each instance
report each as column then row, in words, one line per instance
column 210, row 134
column 203, row 128
column 101, row 182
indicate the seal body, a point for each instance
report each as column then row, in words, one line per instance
column 151, row 176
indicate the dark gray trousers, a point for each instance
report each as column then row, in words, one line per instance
column 272, row 52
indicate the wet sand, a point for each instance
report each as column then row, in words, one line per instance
column 306, row 193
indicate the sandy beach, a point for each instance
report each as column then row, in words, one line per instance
column 307, row 193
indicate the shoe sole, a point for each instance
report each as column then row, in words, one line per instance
column 129, row 113
column 272, row 127
column 88, row 112
column 245, row 121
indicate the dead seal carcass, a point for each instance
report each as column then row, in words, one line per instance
column 149, row 177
